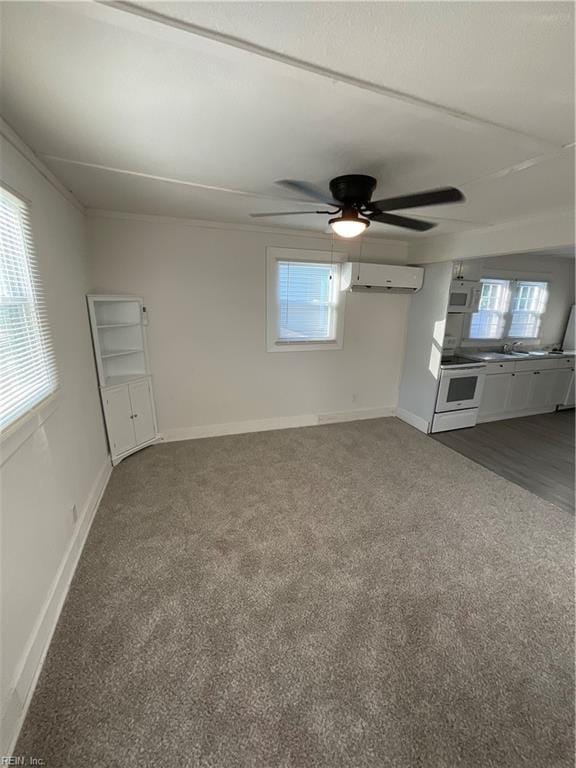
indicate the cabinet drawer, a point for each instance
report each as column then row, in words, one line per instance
column 444, row 422
column 544, row 365
column 506, row 367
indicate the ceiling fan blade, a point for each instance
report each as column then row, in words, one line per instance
column 440, row 196
column 285, row 213
column 309, row 190
column 419, row 225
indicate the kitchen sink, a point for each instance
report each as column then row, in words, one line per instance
column 537, row 353
column 489, row 357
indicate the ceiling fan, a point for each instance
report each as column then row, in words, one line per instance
column 351, row 196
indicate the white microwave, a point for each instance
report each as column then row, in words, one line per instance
column 464, row 296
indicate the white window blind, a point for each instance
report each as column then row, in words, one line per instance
column 509, row 309
column 27, row 365
column 307, row 296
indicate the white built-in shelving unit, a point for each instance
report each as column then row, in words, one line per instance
column 118, row 326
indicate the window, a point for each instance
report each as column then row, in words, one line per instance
column 489, row 321
column 27, row 366
column 304, row 301
column 509, row 309
column 528, row 306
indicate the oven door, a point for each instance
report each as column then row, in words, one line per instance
column 460, row 388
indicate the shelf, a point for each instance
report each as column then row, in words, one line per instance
column 117, row 325
column 112, row 381
column 120, row 352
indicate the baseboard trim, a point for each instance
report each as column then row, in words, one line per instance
column 28, row 671
column 281, row 422
column 413, row 420
column 358, row 415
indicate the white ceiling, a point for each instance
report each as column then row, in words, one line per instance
column 195, row 119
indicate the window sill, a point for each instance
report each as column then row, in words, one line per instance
column 17, row 433
column 304, row 346
column 499, row 342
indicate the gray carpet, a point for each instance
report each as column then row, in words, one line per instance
column 346, row 595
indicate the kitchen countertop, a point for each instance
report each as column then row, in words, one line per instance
column 489, row 357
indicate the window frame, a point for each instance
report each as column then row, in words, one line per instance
column 514, row 283
column 275, row 255
column 506, row 283
column 518, row 284
column 20, row 428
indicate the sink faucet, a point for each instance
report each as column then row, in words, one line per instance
column 510, row 347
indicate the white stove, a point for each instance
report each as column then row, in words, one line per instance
column 459, row 393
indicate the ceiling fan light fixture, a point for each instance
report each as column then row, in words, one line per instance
column 351, row 195
column 349, row 225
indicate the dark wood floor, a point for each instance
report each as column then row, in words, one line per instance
column 536, row 452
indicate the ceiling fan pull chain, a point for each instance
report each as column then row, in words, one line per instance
column 360, row 254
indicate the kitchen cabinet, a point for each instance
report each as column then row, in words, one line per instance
column 570, row 400
column 539, row 389
column 560, row 386
column 495, row 395
column 548, row 388
column 519, row 393
column 526, row 387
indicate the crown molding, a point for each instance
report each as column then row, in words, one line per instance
column 151, row 218
column 10, row 136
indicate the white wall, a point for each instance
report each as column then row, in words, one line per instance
column 63, row 462
column 535, row 234
column 205, row 289
column 557, row 271
column 423, row 352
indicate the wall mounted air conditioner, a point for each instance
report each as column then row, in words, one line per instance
column 365, row 276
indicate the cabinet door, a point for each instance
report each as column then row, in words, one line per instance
column 559, row 386
column 570, row 398
column 143, row 416
column 495, row 394
column 119, row 422
column 543, row 389
column 519, row 395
